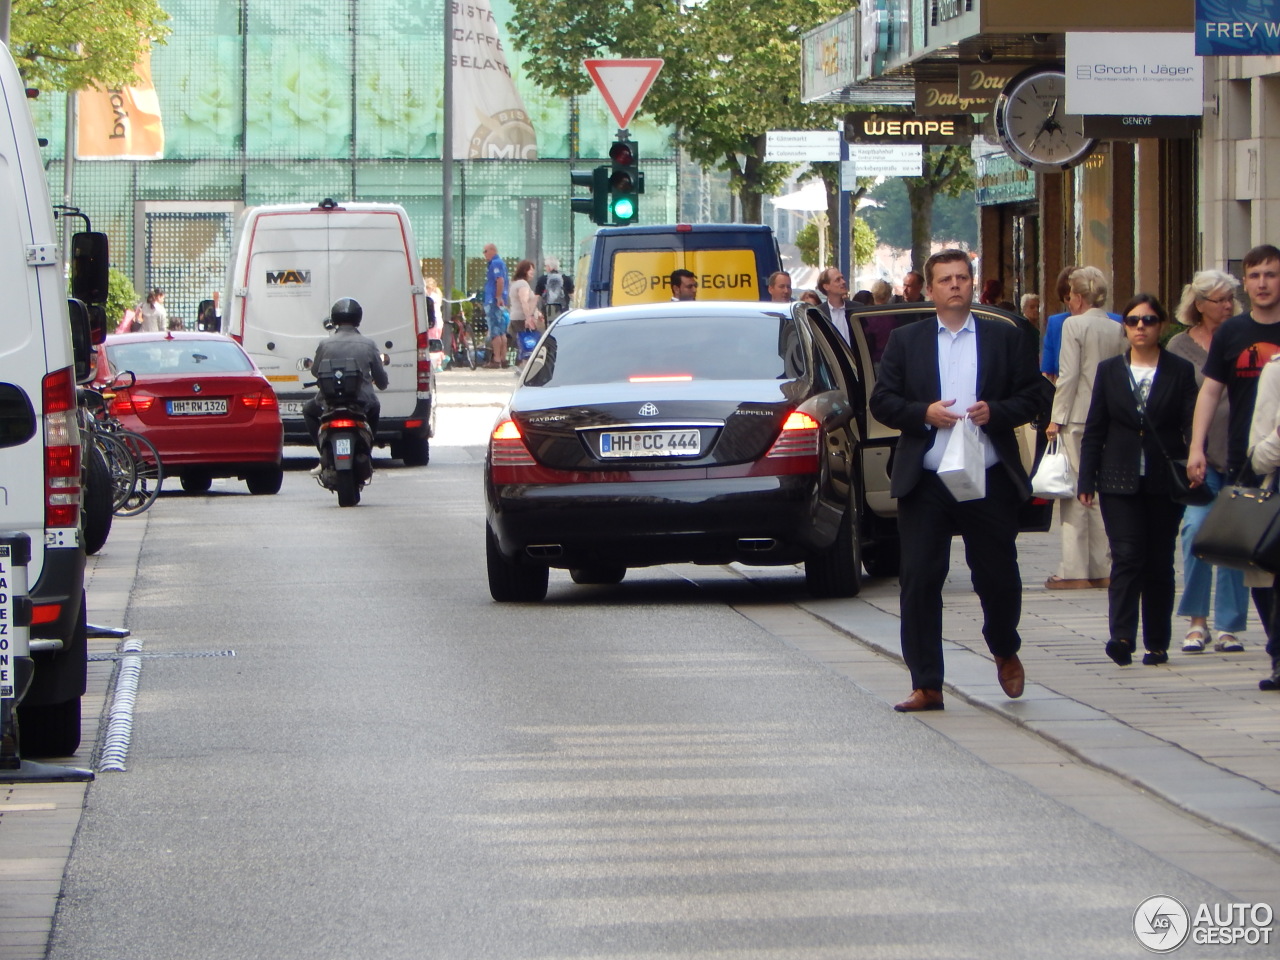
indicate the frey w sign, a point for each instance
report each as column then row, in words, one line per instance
column 1237, row 27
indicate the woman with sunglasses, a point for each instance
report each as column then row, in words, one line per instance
column 1207, row 301
column 1141, row 410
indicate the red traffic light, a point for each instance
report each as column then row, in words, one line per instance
column 620, row 154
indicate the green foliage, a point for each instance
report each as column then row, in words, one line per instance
column 807, row 241
column 111, row 35
column 731, row 72
column 864, row 244
column 120, row 297
column 954, row 218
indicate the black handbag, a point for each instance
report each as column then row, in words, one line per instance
column 1180, row 488
column 1242, row 529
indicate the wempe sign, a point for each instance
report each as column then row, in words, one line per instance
column 907, row 128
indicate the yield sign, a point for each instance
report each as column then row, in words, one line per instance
column 623, row 83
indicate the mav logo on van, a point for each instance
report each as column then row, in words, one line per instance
column 288, row 278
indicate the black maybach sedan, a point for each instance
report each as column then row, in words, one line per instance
column 678, row 432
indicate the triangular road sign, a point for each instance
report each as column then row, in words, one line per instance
column 623, row 83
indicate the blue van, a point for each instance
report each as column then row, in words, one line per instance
column 625, row 265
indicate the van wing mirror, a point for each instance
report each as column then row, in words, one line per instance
column 90, row 267
column 81, row 340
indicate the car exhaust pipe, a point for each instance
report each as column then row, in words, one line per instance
column 544, row 551
column 756, row 544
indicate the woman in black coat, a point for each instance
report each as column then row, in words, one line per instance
column 1122, row 460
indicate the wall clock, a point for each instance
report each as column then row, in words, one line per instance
column 1033, row 126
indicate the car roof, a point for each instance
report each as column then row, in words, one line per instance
column 689, row 309
column 166, row 335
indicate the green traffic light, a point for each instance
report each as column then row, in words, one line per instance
column 624, row 208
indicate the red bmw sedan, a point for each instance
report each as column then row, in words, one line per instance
column 201, row 400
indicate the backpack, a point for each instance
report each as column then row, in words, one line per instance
column 553, row 291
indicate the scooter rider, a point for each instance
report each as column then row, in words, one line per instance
column 347, row 344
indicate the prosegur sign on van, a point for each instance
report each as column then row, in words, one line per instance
column 644, row 276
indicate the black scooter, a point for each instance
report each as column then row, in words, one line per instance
column 345, row 441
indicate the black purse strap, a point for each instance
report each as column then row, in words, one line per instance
column 1142, row 410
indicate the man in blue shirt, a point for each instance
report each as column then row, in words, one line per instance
column 496, row 286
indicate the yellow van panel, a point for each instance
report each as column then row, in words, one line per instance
column 644, row 276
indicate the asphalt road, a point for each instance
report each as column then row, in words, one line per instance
column 393, row 766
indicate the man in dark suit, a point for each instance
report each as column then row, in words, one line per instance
column 931, row 376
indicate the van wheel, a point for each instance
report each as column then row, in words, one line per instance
column 50, row 730
column 511, row 582
column 98, row 502
column 194, row 481
column 415, row 451
column 603, row 574
column 836, row 571
column 265, row 482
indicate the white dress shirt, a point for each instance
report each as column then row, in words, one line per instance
column 958, row 374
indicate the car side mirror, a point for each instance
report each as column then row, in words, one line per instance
column 81, row 340
column 90, row 267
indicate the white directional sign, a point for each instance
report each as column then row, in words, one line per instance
column 623, row 83
column 898, row 160
column 801, row 146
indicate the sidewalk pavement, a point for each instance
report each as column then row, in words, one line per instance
column 1196, row 732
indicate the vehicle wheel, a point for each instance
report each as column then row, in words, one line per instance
column 98, row 505
column 49, row 730
column 415, row 452
column 193, row 481
column 603, row 574
column 883, row 559
column 513, row 582
column 346, row 487
column 837, row 570
column 266, row 481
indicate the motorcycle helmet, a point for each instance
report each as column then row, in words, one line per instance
column 346, row 310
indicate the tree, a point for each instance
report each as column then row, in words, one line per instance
column 731, row 72
column 111, row 36
column 864, row 244
column 954, row 217
column 947, row 170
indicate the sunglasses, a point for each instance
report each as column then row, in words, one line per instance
column 1146, row 319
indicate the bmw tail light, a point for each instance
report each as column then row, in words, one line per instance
column 506, row 446
column 798, row 438
column 261, row 400
column 127, row 402
column 424, row 366
column 61, row 450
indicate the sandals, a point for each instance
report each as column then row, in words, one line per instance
column 1228, row 643
column 1194, row 640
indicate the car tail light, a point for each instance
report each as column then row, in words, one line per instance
column 263, row 400
column 127, row 402
column 45, row 613
column 61, row 450
column 237, row 337
column 506, row 446
column 798, row 438
column 424, row 365
column 344, row 424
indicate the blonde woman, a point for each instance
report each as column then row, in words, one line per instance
column 1207, row 301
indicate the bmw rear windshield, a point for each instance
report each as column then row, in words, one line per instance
column 669, row 348
column 176, row 357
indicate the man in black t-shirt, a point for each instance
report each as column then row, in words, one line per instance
column 1238, row 351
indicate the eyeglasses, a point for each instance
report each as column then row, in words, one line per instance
column 1146, row 319
column 1218, row 300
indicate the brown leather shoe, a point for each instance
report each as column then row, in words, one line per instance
column 920, row 700
column 1012, row 676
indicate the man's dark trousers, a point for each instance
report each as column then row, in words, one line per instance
column 928, row 516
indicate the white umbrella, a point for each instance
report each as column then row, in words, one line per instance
column 811, row 197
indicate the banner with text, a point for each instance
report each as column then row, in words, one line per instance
column 122, row 123
column 489, row 120
column 1227, row 28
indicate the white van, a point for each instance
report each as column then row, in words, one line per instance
column 290, row 263
column 39, row 433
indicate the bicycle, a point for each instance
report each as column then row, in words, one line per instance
column 132, row 460
column 462, row 348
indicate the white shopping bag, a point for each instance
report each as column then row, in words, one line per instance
column 1054, row 478
column 963, row 470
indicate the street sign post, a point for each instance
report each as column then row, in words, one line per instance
column 801, row 146
column 905, row 160
column 623, row 83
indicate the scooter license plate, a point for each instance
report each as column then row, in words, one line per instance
column 342, row 447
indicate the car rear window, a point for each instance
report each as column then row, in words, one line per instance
column 749, row 347
column 178, row 357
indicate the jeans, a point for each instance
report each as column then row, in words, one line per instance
column 1231, row 601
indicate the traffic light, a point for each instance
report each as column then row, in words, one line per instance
column 597, row 182
column 626, row 182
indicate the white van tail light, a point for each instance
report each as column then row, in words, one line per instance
column 424, row 366
column 61, row 451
